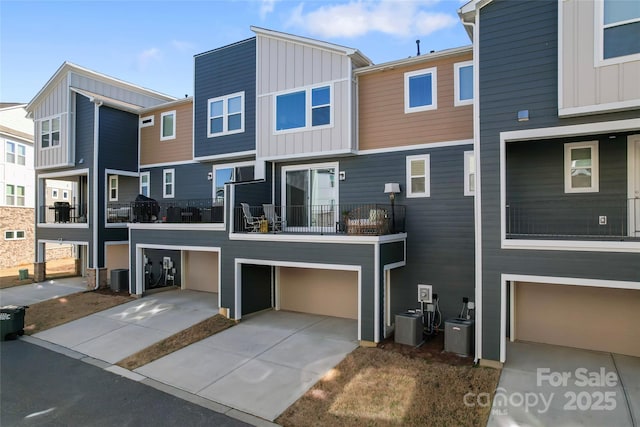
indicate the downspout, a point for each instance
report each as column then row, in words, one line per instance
column 96, row 140
column 477, row 197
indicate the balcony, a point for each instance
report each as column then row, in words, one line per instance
column 192, row 211
column 63, row 213
column 346, row 219
column 574, row 219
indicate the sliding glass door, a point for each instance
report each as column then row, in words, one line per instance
column 310, row 197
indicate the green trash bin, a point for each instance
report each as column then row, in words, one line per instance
column 23, row 274
column 11, row 321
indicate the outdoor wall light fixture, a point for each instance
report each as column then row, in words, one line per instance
column 392, row 188
column 523, row 115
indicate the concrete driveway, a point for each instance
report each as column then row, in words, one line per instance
column 42, row 291
column 262, row 365
column 113, row 334
column 544, row 385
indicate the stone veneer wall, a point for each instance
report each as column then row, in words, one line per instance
column 18, row 252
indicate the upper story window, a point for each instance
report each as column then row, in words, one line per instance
column 420, row 90
column 303, row 109
column 581, row 167
column 225, row 115
column 621, row 28
column 469, row 173
column 14, row 195
column 168, row 125
column 15, row 153
column 113, row 188
column 168, row 183
column 418, row 176
column 65, row 194
column 54, row 193
column 50, row 132
column 463, row 83
column 145, row 184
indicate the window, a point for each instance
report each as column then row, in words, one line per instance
column 50, row 132
column 224, row 174
column 620, row 28
column 14, row 235
column 303, row 109
column 581, row 167
column 168, row 125
column 144, row 184
column 113, row 188
column 226, row 115
column 420, row 90
column 14, row 195
column 463, row 83
column 418, row 179
column 168, row 187
column 147, row 121
column 469, row 173
column 10, row 152
column 54, row 193
column 22, row 154
column 65, row 194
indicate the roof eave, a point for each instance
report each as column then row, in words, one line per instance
column 415, row 59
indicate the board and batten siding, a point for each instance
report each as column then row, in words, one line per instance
column 286, row 65
column 153, row 150
column 383, row 122
column 527, row 78
column 585, row 83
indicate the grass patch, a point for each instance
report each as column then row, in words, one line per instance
column 175, row 342
column 376, row 387
column 57, row 311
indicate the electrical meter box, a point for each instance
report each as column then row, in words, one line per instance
column 458, row 336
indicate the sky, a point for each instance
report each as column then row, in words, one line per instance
column 152, row 43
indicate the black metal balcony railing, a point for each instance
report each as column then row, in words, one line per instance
column 63, row 213
column 570, row 218
column 351, row 219
column 192, row 211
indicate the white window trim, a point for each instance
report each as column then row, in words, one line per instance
column 8, row 151
column 599, row 25
column 50, row 120
column 308, row 90
column 457, row 102
column 164, row 183
column 469, row 160
column 162, row 116
column 65, row 194
column 148, row 175
column 15, row 235
column 54, row 193
column 147, row 121
column 427, row 176
column 434, row 90
column 595, row 166
column 225, row 115
column 113, row 179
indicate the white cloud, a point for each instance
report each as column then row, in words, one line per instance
column 356, row 18
column 266, row 7
column 147, row 56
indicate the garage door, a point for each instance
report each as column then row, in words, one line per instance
column 317, row 291
column 587, row 317
column 201, row 271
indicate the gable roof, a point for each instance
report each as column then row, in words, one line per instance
column 359, row 59
column 67, row 67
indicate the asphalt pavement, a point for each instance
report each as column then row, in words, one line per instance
column 40, row 387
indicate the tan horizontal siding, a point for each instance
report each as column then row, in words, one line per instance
column 152, row 150
column 383, row 122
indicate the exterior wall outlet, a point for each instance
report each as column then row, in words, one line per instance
column 425, row 293
column 602, row 220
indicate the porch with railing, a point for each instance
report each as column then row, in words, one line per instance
column 372, row 219
column 190, row 211
column 63, row 213
column 612, row 219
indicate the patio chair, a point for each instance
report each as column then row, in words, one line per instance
column 251, row 223
column 270, row 214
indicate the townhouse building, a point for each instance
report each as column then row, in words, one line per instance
column 557, row 202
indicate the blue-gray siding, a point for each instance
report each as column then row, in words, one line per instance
column 518, row 71
column 218, row 73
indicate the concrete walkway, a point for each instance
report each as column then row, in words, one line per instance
column 38, row 292
column 544, row 385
